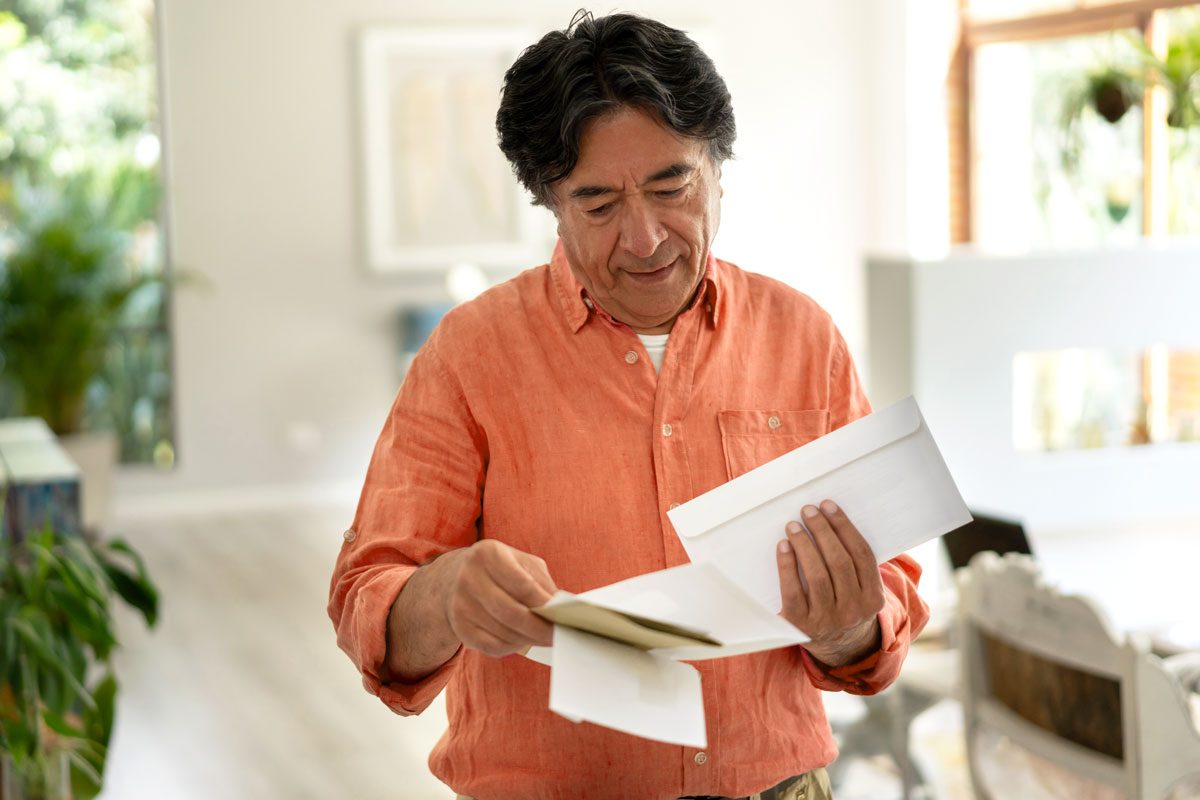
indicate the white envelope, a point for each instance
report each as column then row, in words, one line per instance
column 884, row 470
column 627, row 689
column 615, row 681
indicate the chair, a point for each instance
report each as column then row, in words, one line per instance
column 928, row 675
column 985, row 532
column 1065, row 696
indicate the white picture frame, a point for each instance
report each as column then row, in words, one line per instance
column 437, row 191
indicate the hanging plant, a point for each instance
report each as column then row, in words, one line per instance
column 1109, row 92
column 1112, row 92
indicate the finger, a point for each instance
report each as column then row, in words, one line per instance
column 541, row 574
column 519, row 624
column 512, row 576
column 866, row 566
column 795, row 604
column 478, row 612
column 487, row 642
column 819, row 588
column 841, row 567
column 508, row 617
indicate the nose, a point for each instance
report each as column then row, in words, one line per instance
column 641, row 230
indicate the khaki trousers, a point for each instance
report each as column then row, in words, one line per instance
column 812, row 785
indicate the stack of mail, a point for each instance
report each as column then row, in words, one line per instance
column 617, row 649
column 615, row 659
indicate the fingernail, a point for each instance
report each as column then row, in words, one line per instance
column 784, row 546
column 793, row 528
column 829, row 506
column 810, row 511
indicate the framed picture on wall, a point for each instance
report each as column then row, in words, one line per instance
column 437, row 190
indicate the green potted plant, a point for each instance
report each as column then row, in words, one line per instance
column 61, row 296
column 1112, row 91
column 66, row 282
column 57, row 687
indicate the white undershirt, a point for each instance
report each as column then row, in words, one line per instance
column 656, row 347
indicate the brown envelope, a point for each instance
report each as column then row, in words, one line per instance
column 642, row 633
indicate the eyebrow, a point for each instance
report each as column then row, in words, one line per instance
column 674, row 171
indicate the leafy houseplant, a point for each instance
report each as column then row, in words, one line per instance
column 71, row 281
column 1179, row 72
column 57, row 687
column 63, row 289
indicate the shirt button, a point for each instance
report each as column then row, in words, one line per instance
column 701, row 758
column 349, row 535
column 666, row 429
column 673, row 506
column 774, row 423
column 631, row 357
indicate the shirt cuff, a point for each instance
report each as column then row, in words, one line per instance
column 876, row 671
column 375, row 605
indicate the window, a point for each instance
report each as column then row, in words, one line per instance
column 1183, row 215
column 79, row 130
column 1077, row 399
column 1051, row 171
column 1080, row 122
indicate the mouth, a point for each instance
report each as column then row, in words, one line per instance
column 654, row 276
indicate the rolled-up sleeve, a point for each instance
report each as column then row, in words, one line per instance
column 420, row 499
column 902, row 618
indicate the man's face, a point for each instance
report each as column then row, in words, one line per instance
column 636, row 217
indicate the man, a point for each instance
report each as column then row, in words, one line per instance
column 546, row 427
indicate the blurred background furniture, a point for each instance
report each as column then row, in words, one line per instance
column 39, row 483
column 1055, row 698
column 930, row 673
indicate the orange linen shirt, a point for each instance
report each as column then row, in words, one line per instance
column 534, row 418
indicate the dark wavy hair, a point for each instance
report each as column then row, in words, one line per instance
column 596, row 66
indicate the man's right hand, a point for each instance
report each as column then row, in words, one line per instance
column 489, row 596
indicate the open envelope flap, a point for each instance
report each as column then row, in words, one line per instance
column 806, row 463
column 699, row 596
column 640, row 632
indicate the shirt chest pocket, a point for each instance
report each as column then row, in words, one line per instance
column 751, row 438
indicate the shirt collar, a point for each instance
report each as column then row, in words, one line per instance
column 578, row 307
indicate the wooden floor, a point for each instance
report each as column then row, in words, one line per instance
column 241, row 692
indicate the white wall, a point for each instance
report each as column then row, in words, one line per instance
column 967, row 316
column 285, row 372
column 904, row 110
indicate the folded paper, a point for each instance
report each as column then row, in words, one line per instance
column 612, row 684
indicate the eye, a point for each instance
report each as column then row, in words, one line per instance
column 599, row 211
column 670, row 192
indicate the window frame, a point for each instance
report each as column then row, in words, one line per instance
column 1087, row 17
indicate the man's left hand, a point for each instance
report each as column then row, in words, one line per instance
column 830, row 584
